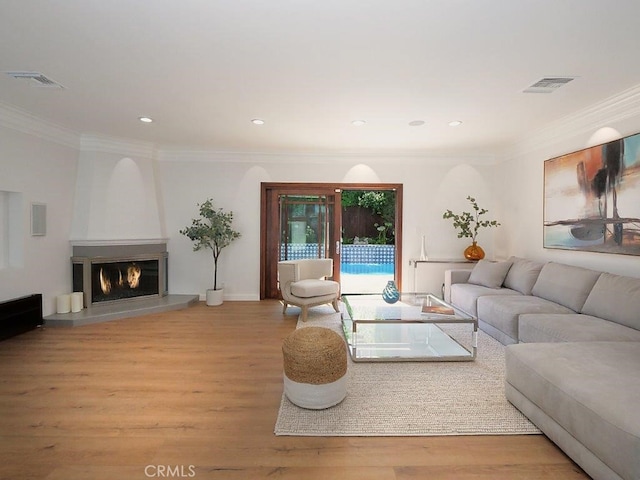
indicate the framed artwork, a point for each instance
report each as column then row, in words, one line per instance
column 592, row 199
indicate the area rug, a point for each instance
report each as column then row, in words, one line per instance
column 413, row 398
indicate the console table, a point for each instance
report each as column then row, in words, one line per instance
column 428, row 275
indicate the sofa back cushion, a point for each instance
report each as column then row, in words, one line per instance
column 615, row 298
column 522, row 275
column 489, row 274
column 564, row 284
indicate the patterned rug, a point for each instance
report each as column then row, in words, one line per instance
column 412, row 398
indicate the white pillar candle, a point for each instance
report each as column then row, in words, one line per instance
column 76, row 301
column 63, row 303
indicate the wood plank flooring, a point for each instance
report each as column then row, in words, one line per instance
column 195, row 394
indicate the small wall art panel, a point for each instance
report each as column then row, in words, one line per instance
column 592, row 199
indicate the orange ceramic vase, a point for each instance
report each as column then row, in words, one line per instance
column 474, row 252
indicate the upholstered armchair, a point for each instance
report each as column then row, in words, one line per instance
column 303, row 284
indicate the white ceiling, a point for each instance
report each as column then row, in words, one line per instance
column 204, row 68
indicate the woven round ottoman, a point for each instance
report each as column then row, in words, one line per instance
column 315, row 367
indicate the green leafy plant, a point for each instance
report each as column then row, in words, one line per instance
column 383, row 231
column 376, row 201
column 468, row 223
column 212, row 230
column 382, row 205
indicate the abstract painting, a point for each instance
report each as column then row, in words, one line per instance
column 592, row 199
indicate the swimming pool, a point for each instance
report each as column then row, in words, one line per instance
column 367, row 268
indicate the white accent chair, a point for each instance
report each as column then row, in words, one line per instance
column 303, row 284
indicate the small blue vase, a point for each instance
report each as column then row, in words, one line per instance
column 390, row 294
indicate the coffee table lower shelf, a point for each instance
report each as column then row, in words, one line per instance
column 400, row 333
column 406, row 342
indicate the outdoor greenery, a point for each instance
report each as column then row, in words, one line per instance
column 212, row 230
column 381, row 204
column 468, row 223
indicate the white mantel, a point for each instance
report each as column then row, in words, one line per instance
column 119, row 242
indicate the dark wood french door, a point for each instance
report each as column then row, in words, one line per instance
column 304, row 220
column 298, row 221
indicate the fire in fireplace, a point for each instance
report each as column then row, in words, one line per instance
column 119, row 280
column 110, row 274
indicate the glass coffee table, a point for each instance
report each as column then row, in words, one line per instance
column 416, row 328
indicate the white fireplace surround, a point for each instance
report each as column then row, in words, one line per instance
column 116, row 201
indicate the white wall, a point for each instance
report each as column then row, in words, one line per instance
column 520, row 181
column 43, row 167
column 512, row 190
column 430, row 187
column 41, row 171
column 83, row 198
column 116, row 196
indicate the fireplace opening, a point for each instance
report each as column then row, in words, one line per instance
column 120, row 280
column 121, row 277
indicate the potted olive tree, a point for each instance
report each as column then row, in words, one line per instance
column 212, row 230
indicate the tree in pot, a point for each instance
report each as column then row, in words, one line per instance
column 212, row 230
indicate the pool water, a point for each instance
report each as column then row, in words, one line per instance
column 367, row 268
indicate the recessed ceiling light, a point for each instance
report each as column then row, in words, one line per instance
column 257, row 121
column 455, row 123
column 145, row 119
column 358, row 123
column 416, row 123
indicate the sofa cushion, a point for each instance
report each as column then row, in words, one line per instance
column 489, row 274
column 572, row 327
column 590, row 389
column 465, row 296
column 615, row 298
column 502, row 311
column 314, row 288
column 565, row 284
column 522, row 275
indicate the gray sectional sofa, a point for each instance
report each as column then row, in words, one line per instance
column 572, row 356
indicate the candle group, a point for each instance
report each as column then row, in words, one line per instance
column 69, row 302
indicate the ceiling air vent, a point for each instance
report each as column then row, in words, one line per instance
column 548, row 84
column 37, row 79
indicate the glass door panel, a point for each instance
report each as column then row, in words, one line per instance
column 304, row 226
column 309, row 228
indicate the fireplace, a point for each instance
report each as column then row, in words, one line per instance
column 119, row 273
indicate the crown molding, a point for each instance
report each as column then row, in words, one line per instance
column 118, row 146
column 214, row 156
column 607, row 113
column 24, row 122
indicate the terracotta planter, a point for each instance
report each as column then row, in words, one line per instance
column 474, row 252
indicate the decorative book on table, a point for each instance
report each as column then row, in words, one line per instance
column 437, row 310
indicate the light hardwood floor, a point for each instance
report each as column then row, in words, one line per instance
column 195, row 394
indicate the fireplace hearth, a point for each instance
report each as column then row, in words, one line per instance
column 119, row 273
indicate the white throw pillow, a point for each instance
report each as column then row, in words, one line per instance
column 489, row 274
